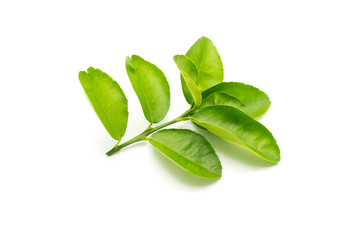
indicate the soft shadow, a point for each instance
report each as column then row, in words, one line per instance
column 181, row 174
column 227, row 149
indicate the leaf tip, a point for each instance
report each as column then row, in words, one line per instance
column 91, row 69
column 134, row 57
column 275, row 159
column 128, row 59
column 81, row 74
column 176, row 57
column 204, row 37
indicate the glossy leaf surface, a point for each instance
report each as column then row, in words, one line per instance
column 189, row 74
column 239, row 129
column 208, row 62
column 189, row 150
column 107, row 99
column 256, row 101
column 216, row 99
column 150, row 86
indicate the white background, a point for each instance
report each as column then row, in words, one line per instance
column 57, row 183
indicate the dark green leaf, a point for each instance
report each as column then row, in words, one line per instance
column 189, row 74
column 208, row 62
column 189, row 150
column 239, row 129
column 107, row 99
column 151, row 87
column 256, row 101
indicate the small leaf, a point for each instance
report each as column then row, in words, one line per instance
column 208, row 62
column 189, row 150
column 239, row 129
column 186, row 91
column 150, row 86
column 256, row 101
column 107, row 99
column 216, row 99
column 189, row 74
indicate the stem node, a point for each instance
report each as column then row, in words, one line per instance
column 143, row 136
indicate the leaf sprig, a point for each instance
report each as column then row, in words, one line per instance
column 226, row 109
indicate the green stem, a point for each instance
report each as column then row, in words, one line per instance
column 142, row 136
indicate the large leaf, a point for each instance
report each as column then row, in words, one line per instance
column 256, row 101
column 107, row 99
column 151, row 87
column 239, row 129
column 216, row 99
column 208, row 62
column 189, row 150
column 189, row 74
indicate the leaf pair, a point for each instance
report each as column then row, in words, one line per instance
column 228, row 111
column 110, row 103
column 201, row 68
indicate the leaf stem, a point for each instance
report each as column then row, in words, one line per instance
column 142, row 136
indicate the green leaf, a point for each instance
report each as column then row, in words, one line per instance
column 186, row 91
column 107, row 99
column 216, row 99
column 239, row 129
column 256, row 101
column 189, row 74
column 150, row 86
column 189, row 150
column 208, row 62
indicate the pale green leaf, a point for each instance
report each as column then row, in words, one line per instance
column 189, row 74
column 239, row 129
column 208, row 62
column 186, row 91
column 107, row 99
column 189, row 150
column 150, row 86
